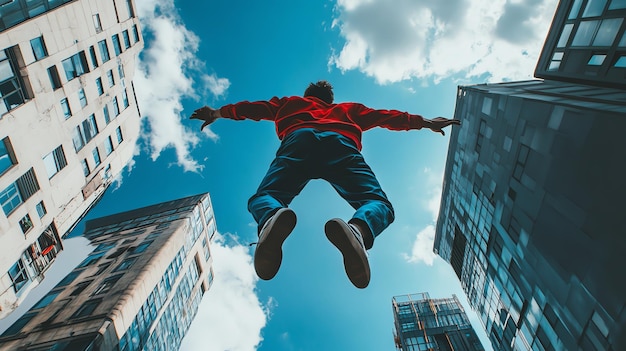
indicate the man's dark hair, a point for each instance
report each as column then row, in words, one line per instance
column 321, row 90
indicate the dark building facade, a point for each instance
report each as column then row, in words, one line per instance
column 139, row 289
column 531, row 218
column 429, row 324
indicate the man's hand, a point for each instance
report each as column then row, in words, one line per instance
column 437, row 124
column 206, row 114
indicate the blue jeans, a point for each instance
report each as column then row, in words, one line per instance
column 307, row 154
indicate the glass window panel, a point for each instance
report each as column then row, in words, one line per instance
column 596, row 60
column 6, row 156
column 41, row 209
column 622, row 42
column 39, row 48
column 82, row 98
column 594, row 8
column 607, row 32
column 585, row 33
column 6, row 72
column 554, row 65
column 621, row 62
column 617, row 4
column 557, row 56
column 96, row 156
column 108, row 145
column 104, row 51
column 85, row 165
column 65, row 106
column 575, row 9
column 51, row 166
column 107, row 117
column 99, row 86
column 10, row 198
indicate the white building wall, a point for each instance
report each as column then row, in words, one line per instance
column 38, row 126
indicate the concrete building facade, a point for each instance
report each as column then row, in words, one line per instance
column 425, row 324
column 139, row 289
column 69, row 122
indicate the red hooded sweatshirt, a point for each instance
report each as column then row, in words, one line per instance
column 295, row 112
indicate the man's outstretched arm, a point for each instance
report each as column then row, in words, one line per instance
column 206, row 114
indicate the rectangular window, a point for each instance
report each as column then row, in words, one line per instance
column 7, row 157
column 53, row 74
column 621, row 62
column 116, row 107
column 104, row 51
column 65, row 106
column 12, row 93
column 617, row 4
column 96, row 156
column 129, row 5
column 522, row 157
column 596, row 60
column 118, row 133
column 86, row 309
column 78, row 139
column 117, row 46
column 585, row 33
column 127, row 263
column 55, row 161
column 105, row 111
column 106, row 285
column 85, row 165
column 92, row 54
column 126, row 38
column 39, row 48
column 18, row 274
column 99, row 86
column 41, row 209
column 82, row 98
column 75, row 66
column 607, row 32
column 594, row 8
column 26, row 224
column 135, row 33
column 90, row 128
column 565, row 34
column 108, row 145
column 19, row 191
column 10, row 198
column 481, row 135
column 96, row 23
column 110, row 78
column 125, row 98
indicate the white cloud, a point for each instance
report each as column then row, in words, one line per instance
column 165, row 76
column 422, row 250
column 231, row 316
column 436, row 39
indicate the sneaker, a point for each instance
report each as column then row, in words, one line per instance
column 269, row 253
column 348, row 240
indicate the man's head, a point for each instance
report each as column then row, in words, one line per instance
column 321, row 90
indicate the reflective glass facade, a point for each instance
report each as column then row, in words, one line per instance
column 139, row 289
column 531, row 218
column 429, row 324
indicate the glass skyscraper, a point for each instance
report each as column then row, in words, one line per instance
column 531, row 217
column 139, row 289
column 429, row 324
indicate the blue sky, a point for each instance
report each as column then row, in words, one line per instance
column 406, row 55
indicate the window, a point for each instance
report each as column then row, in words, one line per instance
column 621, row 62
column 131, row 11
column 65, row 106
column 96, row 156
column 55, row 161
column 75, row 66
column 141, row 248
column 522, row 157
column 126, row 38
column 84, row 132
column 617, row 4
column 18, row 274
column 92, row 54
column 585, row 32
column 110, row 78
column 41, row 209
column 19, row 191
column 107, row 284
column 481, row 135
column 120, row 71
column 108, row 145
column 116, row 107
column 556, row 61
column 96, row 23
column 85, row 165
column 567, row 30
column 86, row 309
column 118, row 133
column 91, row 259
column 594, row 8
column 607, row 32
column 39, row 48
column 125, row 264
column 596, row 60
column 53, row 74
column 125, row 98
column 104, row 51
column 99, row 86
column 7, row 157
column 82, row 98
column 12, row 92
column 46, row 300
column 135, row 33
column 117, row 46
column 80, row 287
column 26, row 224
column 105, row 111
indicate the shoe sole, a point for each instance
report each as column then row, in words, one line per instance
column 355, row 259
column 269, row 254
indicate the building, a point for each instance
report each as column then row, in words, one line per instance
column 68, row 124
column 531, row 218
column 429, row 324
column 139, row 289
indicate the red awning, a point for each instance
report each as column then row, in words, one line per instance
column 47, row 250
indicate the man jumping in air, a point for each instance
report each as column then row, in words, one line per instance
column 320, row 140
